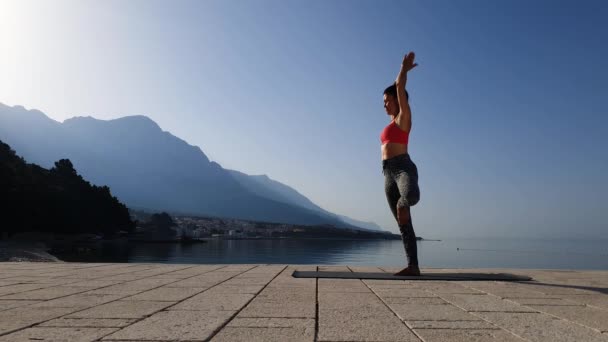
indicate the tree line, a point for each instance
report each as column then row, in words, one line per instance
column 58, row 200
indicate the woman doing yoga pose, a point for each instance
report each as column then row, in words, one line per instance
column 401, row 174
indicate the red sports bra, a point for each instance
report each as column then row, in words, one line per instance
column 393, row 134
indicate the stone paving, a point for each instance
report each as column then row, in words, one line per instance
column 161, row 302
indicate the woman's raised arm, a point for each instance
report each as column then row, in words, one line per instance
column 404, row 118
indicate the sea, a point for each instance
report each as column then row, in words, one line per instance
column 572, row 254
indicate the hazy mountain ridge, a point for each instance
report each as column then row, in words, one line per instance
column 122, row 152
column 269, row 188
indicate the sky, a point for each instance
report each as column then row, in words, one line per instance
column 508, row 100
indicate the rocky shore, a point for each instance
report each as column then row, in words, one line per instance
column 25, row 251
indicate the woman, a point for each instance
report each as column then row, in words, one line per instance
column 401, row 174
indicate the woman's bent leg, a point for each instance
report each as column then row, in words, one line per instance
column 395, row 189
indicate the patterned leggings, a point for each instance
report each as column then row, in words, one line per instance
column 401, row 187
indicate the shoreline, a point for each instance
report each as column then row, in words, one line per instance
column 28, row 250
column 25, row 251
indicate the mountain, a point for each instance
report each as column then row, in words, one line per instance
column 263, row 186
column 147, row 167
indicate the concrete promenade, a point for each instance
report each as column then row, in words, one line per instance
column 160, row 302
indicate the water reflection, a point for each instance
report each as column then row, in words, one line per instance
column 469, row 253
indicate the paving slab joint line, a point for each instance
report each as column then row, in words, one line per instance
column 470, row 312
column 103, row 287
column 540, row 312
column 122, row 269
column 389, row 309
column 32, row 325
column 485, row 320
column 216, row 331
column 81, row 280
column 141, row 319
column 567, row 320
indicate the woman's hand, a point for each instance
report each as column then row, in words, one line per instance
column 407, row 65
column 408, row 62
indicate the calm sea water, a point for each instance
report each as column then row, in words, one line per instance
column 453, row 253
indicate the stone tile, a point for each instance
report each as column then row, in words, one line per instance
column 374, row 312
column 117, row 290
column 157, row 271
column 240, row 322
column 206, row 280
column 166, row 294
column 80, row 301
column 484, row 303
column 118, row 277
column 545, row 301
column 342, row 285
column 448, row 288
column 88, row 322
column 174, row 325
column 8, row 326
column 227, row 288
column 284, row 297
column 597, row 300
column 22, row 317
column 122, row 309
column 287, row 295
column 285, row 306
column 265, row 334
column 541, row 327
column 173, row 276
column 388, row 283
column 261, row 308
column 269, row 271
column 134, row 286
column 403, row 292
column 414, row 300
column 236, row 268
column 40, row 280
column 96, row 283
column 424, row 312
column 267, row 329
column 57, row 334
column 285, row 279
column 556, row 289
column 34, row 315
column 308, row 290
column 451, row 325
column 214, row 302
column 248, row 281
column 588, row 316
column 466, row 335
column 355, row 301
column 396, row 285
column 368, row 325
column 194, row 271
column 296, row 283
column 147, row 283
column 19, row 288
column 9, row 304
column 515, row 292
column 8, row 282
column 47, row 293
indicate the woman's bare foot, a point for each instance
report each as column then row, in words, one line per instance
column 409, row 271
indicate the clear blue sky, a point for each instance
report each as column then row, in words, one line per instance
column 509, row 99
